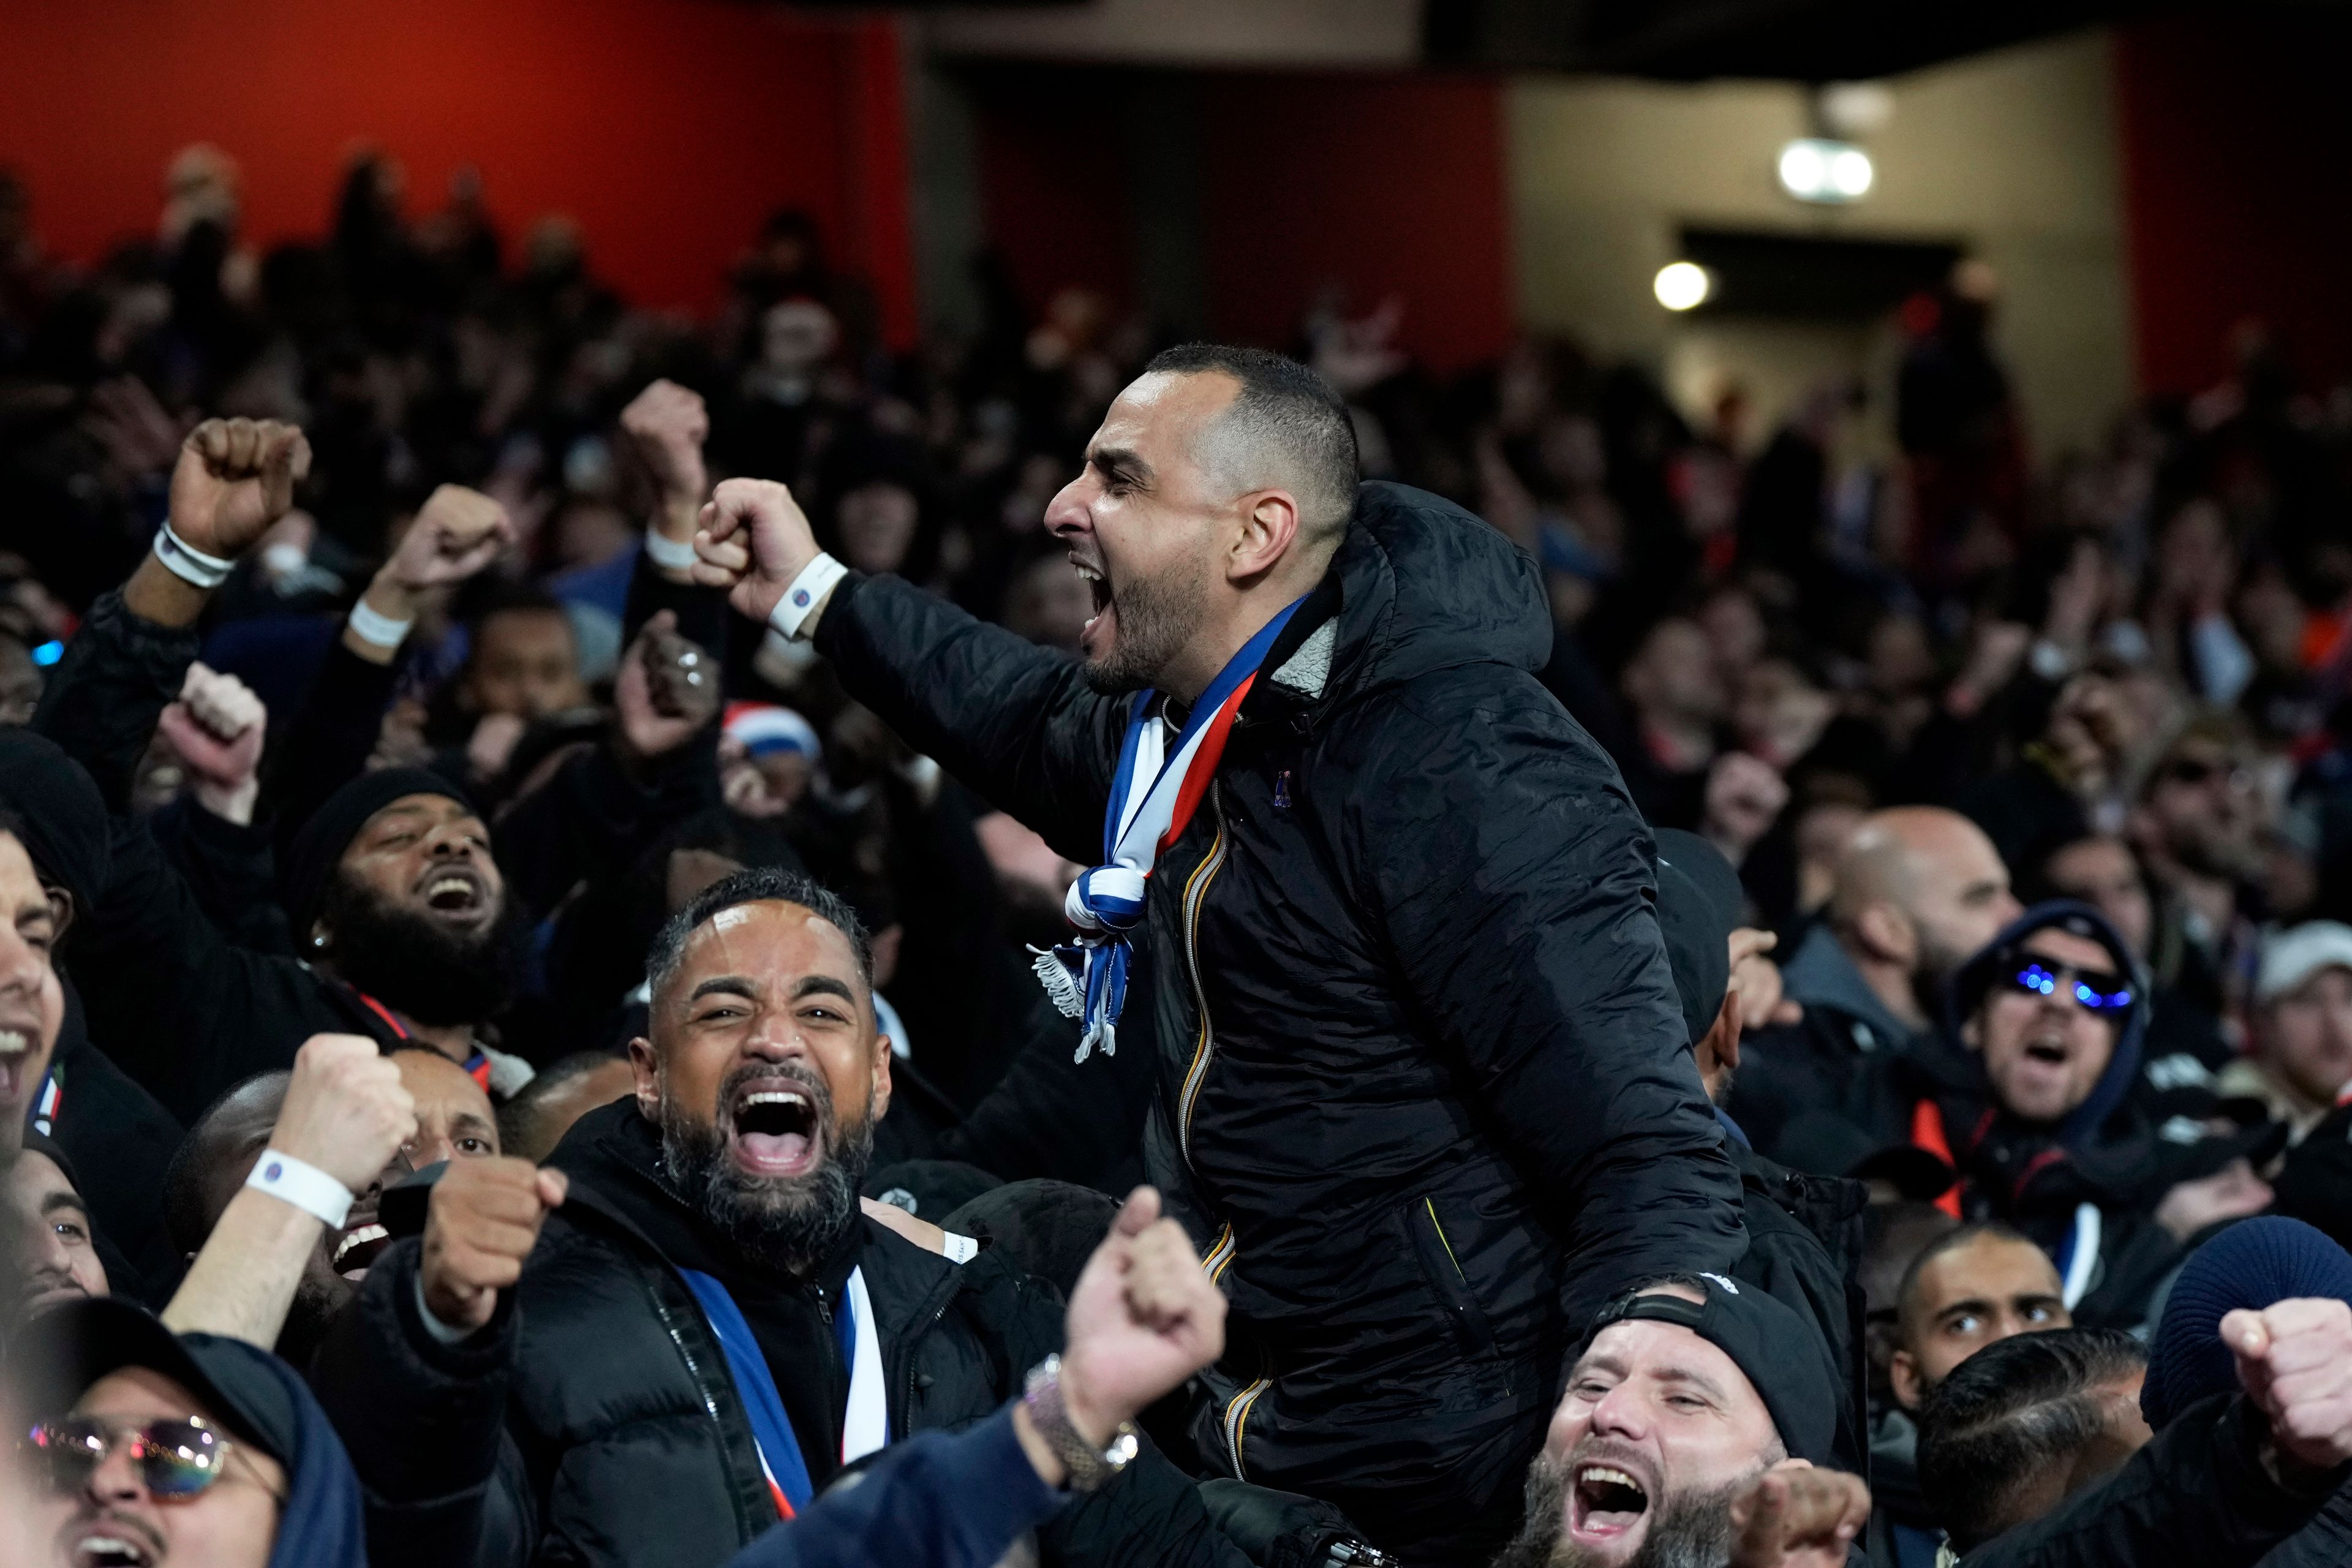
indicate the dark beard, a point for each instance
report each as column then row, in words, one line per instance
column 1157, row 616
column 416, row 965
column 787, row 1223
column 1692, row 1529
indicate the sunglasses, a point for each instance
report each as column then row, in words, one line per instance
column 177, row 1460
column 2095, row 990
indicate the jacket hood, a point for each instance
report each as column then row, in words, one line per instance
column 1420, row 585
column 1968, row 985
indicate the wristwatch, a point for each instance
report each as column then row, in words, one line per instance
column 1090, row 1467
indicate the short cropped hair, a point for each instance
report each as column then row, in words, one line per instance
column 2015, row 1409
column 760, row 885
column 1288, row 407
column 1957, row 1236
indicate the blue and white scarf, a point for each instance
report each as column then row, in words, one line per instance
column 1152, row 798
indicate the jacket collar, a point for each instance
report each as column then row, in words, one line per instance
column 612, row 1156
column 1823, row 974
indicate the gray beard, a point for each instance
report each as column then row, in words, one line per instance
column 787, row 1224
column 1690, row 1530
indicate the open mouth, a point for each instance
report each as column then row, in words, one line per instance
column 1106, row 615
column 360, row 1246
column 1606, row 1504
column 455, row 893
column 15, row 1055
column 776, row 1132
column 2047, row 1050
column 110, row 1548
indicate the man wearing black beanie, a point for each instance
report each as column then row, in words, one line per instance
column 1696, row 1429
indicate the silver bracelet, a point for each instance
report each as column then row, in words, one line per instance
column 187, row 563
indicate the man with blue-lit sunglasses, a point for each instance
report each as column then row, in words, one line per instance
column 2028, row 1094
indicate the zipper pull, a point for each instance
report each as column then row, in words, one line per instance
column 824, row 1307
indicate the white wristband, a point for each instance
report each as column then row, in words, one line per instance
column 303, row 1184
column 668, row 553
column 807, row 591
column 185, row 561
column 373, row 628
column 960, row 1249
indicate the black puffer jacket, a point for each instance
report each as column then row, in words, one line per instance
column 596, row 1421
column 1426, row 1095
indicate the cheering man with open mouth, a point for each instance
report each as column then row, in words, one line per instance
column 1379, row 906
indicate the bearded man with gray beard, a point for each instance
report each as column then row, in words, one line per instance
column 684, row 1325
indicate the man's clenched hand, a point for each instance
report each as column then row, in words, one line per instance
column 666, row 691
column 1145, row 1316
column 668, row 423
column 482, row 1222
column 234, row 478
column 217, row 727
column 346, row 1109
column 753, row 541
column 1797, row 1517
column 2294, row 1360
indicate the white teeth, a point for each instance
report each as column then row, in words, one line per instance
column 1603, row 1475
column 1088, row 572
column 13, row 1043
column 775, row 1096
column 365, row 1234
column 108, row 1549
column 449, row 884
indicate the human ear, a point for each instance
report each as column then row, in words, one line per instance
column 641, row 1065
column 1269, row 524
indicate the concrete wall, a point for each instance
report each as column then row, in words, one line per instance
column 2012, row 155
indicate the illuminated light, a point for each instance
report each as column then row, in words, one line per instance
column 1680, row 285
column 49, row 653
column 1851, row 174
column 1814, row 169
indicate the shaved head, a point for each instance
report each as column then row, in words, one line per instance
column 1938, row 872
column 1285, row 428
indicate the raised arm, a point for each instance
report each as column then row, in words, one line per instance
column 345, row 1114
column 456, row 533
column 1519, row 913
column 234, row 478
column 665, row 425
column 1016, row 722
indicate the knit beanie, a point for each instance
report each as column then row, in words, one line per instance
column 318, row 847
column 2254, row 1264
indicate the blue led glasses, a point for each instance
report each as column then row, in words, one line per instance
column 2098, row 992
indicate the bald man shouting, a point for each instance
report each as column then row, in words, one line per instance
column 1918, row 890
column 1378, row 912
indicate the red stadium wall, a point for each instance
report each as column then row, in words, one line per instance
column 1373, row 185
column 668, row 129
column 2234, row 147
column 1370, row 185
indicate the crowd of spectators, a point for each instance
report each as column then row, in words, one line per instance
column 2019, row 784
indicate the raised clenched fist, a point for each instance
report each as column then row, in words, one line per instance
column 346, row 1109
column 1144, row 1317
column 1797, row 1517
column 754, row 541
column 217, row 727
column 482, row 1222
column 666, row 691
column 234, row 478
column 2294, row 1360
column 668, row 423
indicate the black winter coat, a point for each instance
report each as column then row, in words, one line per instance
column 595, row 1422
column 2198, row 1493
column 1426, row 1096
